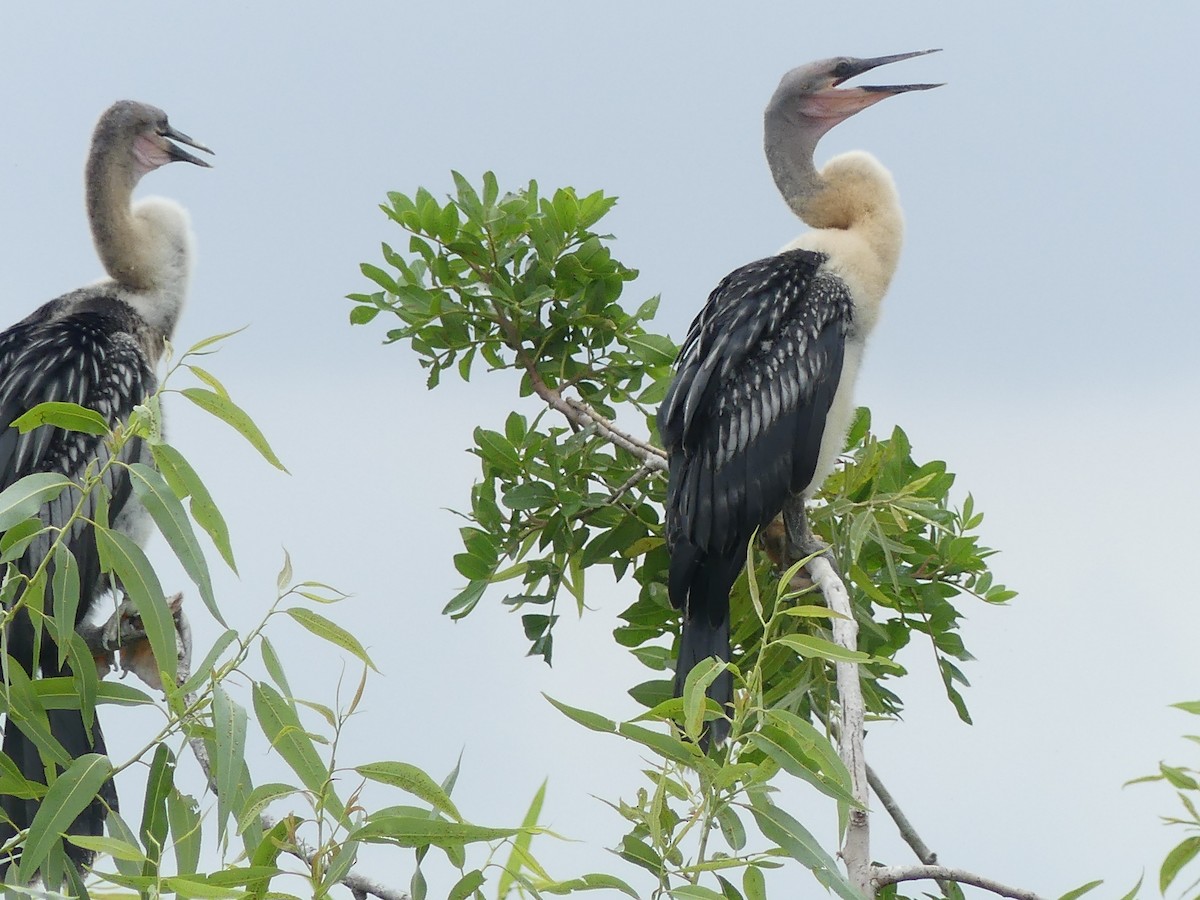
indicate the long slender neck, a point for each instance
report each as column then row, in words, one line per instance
column 119, row 237
column 789, row 146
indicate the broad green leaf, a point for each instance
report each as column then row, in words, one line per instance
column 66, row 597
column 260, row 798
column 590, row 882
column 808, row 646
column 328, row 631
column 72, row 792
column 1181, row 854
column 23, row 499
column 795, row 840
column 184, row 815
column 110, row 846
column 594, row 721
column 184, row 482
column 155, row 823
column 67, row 416
column 29, row 714
column 229, row 734
column 282, row 727
column 172, row 520
column 412, row 780
column 754, row 884
column 119, row 554
column 233, row 415
column 468, row 884
column 274, row 667
column 695, row 701
column 696, row 892
column 415, row 831
column 654, row 349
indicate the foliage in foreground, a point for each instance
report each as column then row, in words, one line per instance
column 206, row 712
column 522, row 282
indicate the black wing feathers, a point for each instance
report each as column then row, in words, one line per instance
column 743, row 422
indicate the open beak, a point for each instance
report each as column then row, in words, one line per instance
column 841, row 103
column 178, row 154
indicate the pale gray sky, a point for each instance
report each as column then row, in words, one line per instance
column 1038, row 337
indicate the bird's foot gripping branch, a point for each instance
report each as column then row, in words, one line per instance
column 524, row 282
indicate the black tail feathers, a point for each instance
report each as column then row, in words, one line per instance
column 700, row 640
column 68, row 727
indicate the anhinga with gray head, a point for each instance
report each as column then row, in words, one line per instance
column 763, row 394
column 98, row 347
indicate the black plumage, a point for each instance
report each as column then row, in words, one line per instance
column 743, row 423
column 84, row 348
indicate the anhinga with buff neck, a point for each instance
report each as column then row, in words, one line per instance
column 98, row 347
column 763, row 393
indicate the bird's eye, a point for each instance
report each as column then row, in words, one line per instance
column 842, row 69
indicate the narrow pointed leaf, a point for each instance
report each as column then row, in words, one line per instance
column 413, row 780
column 67, row 416
column 234, row 416
column 172, row 520
column 119, row 554
column 184, row 482
column 23, row 499
column 327, row 630
column 70, row 795
column 229, row 732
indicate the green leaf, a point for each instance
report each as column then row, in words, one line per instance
column 29, row 714
column 796, row 841
column 590, row 882
column 66, row 597
column 520, row 850
column 111, row 846
column 413, row 780
column 653, row 349
column 168, row 514
column 23, row 499
column 1080, row 891
column 415, row 831
column 120, row 555
column 155, row 823
column 184, row 482
column 754, row 884
column 468, row 884
column 229, row 734
column 72, row 792
column 67, row 416
column 696, row 892
column 282, row 727
column 184, row 815
column 808, row 646
column 327, row 630
column 207, row 342
column 260, row 798
column 1181, row 854
column 594, row 721
column 233, row 415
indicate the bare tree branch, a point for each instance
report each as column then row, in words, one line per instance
column 907, row 831
column 580, row 414
column 883, row 875
column 856, row 848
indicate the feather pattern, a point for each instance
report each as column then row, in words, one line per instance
column 84, row 348
column 743, row 422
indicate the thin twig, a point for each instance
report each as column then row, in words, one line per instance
column 907, row 831
column 583, row 416
column 904, row 826
column 134, row 630
column 883, row 875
